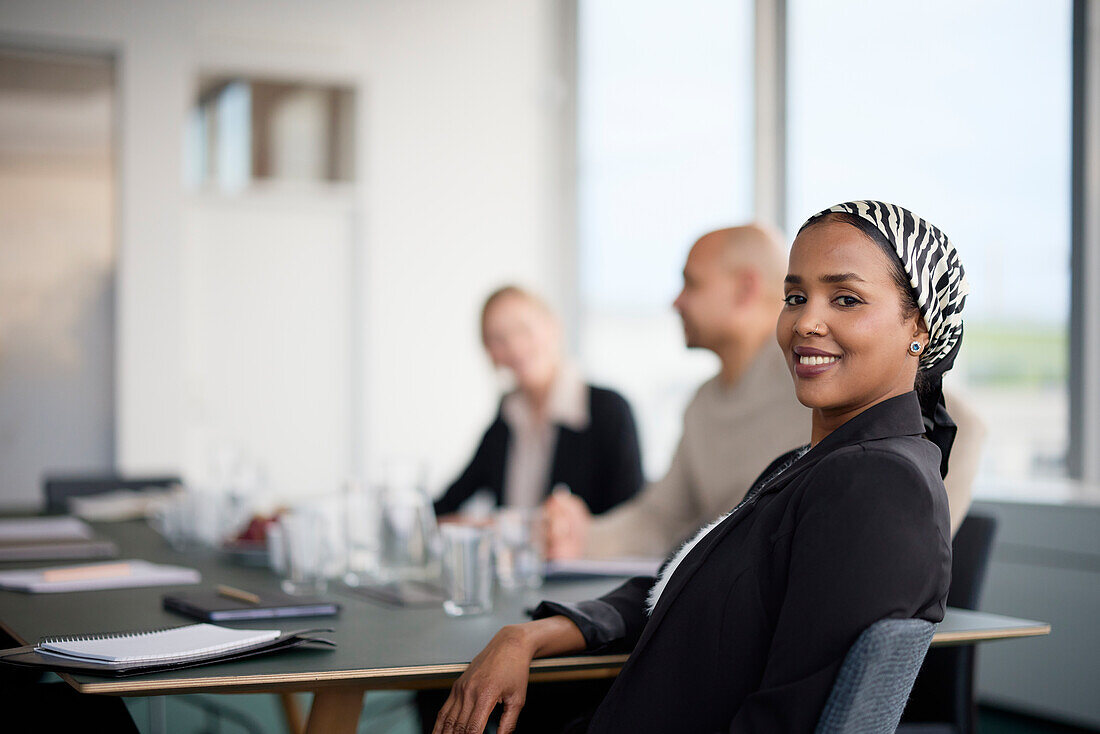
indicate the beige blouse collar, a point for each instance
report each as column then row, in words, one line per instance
column 568, row 403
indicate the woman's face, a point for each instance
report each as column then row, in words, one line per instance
column 522, row 338
column 842, row 327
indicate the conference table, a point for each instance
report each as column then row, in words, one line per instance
column 379, row 647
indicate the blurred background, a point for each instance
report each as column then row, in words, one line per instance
column 260, row 233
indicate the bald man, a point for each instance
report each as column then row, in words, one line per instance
column 738, row 421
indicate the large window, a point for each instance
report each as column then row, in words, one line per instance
column 960, row 112
column 665, row 149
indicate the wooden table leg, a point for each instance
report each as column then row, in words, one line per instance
column 335, row 711
column 292, row 711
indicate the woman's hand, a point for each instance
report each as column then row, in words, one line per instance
column 499, row 674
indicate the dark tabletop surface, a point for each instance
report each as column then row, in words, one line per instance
column 379, row 646
column 384, row 646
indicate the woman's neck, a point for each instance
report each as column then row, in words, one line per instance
column 538, row 396
column 827, row 420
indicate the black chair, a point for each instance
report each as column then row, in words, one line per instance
column 942, row 700
column 59, row 488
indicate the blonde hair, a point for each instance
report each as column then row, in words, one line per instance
column 513, row 291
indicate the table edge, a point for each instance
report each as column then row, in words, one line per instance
column 426, row 676
column 365, row 676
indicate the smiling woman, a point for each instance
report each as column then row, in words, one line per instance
column 842, row 305
column 749, row 623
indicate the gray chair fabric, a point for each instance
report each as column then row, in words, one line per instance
column 873, row 683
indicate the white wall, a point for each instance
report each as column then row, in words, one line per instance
column 462, row 162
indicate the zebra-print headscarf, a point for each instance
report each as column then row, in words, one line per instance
column 940, row 287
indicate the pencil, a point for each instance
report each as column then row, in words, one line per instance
column 230, row 592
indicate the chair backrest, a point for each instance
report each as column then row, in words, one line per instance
column 873, row 683
column 970, row 552
column 58, row 489
column 944, row 691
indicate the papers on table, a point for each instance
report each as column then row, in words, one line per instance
column 120, row 505
column 97, row 576
column 37, row 529
column 597, row 568
column 50, row 538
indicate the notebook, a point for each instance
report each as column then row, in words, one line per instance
column 28, row 529
column 213, row 607
column 146, row 652
column 180, row 643
column 51, row 539
column 56, row 550
column 91, row 577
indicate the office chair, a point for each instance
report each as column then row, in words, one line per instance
column 942, row 701
column 874, row 681
column 59, row 488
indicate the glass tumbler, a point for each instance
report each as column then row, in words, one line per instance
column 518, row 548
column 302, row 537
column 467, row 570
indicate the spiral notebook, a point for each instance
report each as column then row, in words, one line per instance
column 179, row 643
column 144, row 652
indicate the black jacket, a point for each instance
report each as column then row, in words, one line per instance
column 601, row 464
column 754, row 624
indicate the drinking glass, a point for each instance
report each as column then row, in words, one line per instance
column 518, row 548
column 467, row 570
column 409, row 536
column 301, row 535
column 361, row 519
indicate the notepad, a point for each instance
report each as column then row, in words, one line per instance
column 180, row 643
column 138, row 653
column 41, row 529
column 90, row 577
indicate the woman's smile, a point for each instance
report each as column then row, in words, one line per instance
column 810, row 362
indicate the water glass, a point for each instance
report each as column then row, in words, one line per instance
column 518, row 548
column 302, row 537
column 409, row 538
column 191, row 519
column 467, row 570
column 361, row 518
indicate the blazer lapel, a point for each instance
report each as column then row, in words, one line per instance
column 898, row 416
column 703, row 549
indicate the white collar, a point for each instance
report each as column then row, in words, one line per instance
column 567, row 404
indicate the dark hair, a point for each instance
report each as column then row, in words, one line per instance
column 909, row 305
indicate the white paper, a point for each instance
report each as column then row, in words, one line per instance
column 141, row 573
column 43, row 529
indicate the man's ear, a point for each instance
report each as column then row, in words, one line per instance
column 747, row 285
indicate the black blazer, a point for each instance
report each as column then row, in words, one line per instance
column 601, row 464
column 754, row 624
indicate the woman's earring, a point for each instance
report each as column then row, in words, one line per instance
column 915, row 347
